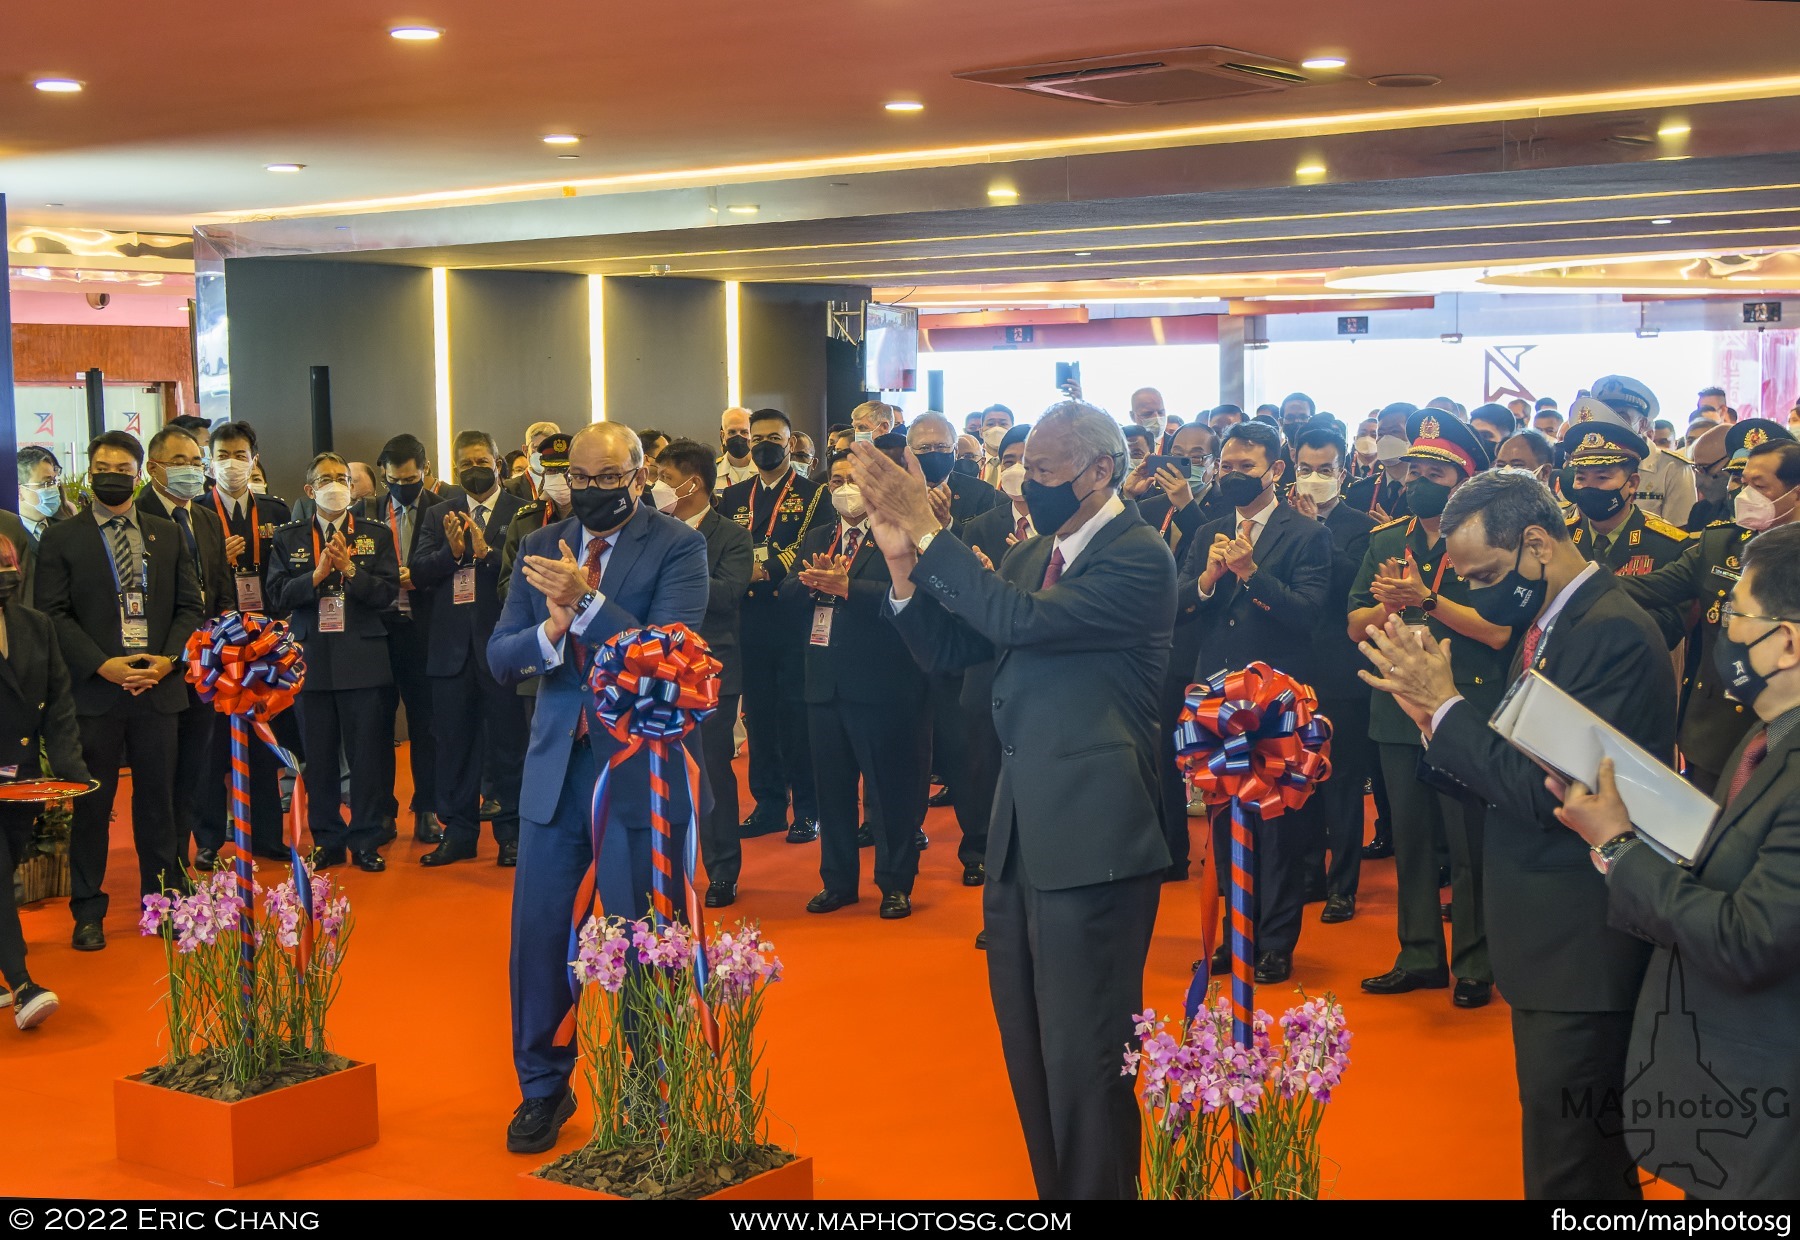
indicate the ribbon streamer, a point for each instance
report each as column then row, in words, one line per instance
column 1250, row 740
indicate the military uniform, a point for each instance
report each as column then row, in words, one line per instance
column 774, row 643
column 1377, row 491
column 1638, row 548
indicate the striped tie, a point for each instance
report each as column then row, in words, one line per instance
column 123, row 560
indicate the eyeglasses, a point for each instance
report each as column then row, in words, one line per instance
column 611, row 480
column 932, row 449
column 1728, row 613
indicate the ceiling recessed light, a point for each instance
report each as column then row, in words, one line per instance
column 1310, row 170
column 416, row 34
column 568, row 157
column 1323, row 62
column 1084, row 253
column 1405, row 81
column 744, row 208
column 53, row 204
column 904, row 105
column 1003, row 193
column 1662, row 222
column 283, row 167
column 562, row 139
column 1674, row 129
column 58, row 86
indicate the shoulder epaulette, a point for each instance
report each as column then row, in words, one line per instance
column 1571, row 519
column 528, row 507
column 1390, row 522
column 288, row 525
column 1668, row 452
column 1667, row 529
column 1720, row 523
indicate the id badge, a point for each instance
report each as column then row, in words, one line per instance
column 821, row 625
column 133, row 604
column 249, row 592
column 331, row 613
column 134, row 634
column 463, row 587
column 761, row 553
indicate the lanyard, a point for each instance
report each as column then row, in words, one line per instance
column 1375, row 495
column 769, row 535
column 118, row 584
column 835, row 538
column 1167, row 517
column 393, row 521
column 255, row 539
column 349, row 529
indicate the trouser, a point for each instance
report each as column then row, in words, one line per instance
column 1384, row 812
column 1339, row 822
column 952, row 758
column 194, row 728
column 553, row 856
column 359, row 722
column 105, row 740
column 1422, row 815
column 1279, row 904
column 478, row 718
column 775, row 719
column 721, row 849
column 15, row 839
column 213, row 824
column 1571, row 1068
column 406, row 655
column 1066, row 972
column 889, row 743
column 1174, row 783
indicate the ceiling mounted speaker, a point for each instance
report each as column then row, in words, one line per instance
column 1171, row 75
column 99, row 301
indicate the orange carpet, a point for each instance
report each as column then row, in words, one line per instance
column 884, row 1060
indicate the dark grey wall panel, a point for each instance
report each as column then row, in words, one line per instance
column 665, row 354
column 518, row 352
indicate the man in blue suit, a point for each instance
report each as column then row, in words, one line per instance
column 614, row 565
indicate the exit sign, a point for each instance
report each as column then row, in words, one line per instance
column 1762, row 312
column 1016, row 335
column 1353, row 325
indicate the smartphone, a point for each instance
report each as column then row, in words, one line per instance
column 1153, row 464
column 1068, row 373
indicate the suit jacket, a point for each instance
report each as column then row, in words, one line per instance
column 75, row 588
column 357, row 658
column 1724, row 975
column 459, row 632
column 1546, row 904
column 728, row 562
column 264, row 513
column 1378, row 491
column 1269, row 617
column 419, row 601
column 1335, row 656
column 1075, row 693
column 866, row 660
column 36, row 705
column 15, row 532
column 970, row 497
column 218, row 593
column 989, row 533
column 655, row 575
column 521, row 486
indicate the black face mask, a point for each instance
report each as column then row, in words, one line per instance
column 406, row 493
column 1711, row 485
column 1241, row 490
column 9, row 585
column 737, row 447
column 936, row 466
column 1516, row 600
column 602, row 508
column 967, row 467
column 112, row 489
column 767, row 455
column 1743, row 683
column 477, row 479
column 1051, row 507
column 1597, row 504
column 1425, row 498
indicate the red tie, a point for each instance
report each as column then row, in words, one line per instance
column 1053, row 570
column 596, row 549
column 852, row 541
column 1754, row 753
column 1532, row 636
column 1022, row 530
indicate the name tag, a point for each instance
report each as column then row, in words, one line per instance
column 134, row 628
column 821, row 625
column 1726, row 573
column 331, row 613
column 462, row 589
column 249, row 592
column 761, row 553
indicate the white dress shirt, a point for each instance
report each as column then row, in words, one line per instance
column 730, row 475
column 553, row 653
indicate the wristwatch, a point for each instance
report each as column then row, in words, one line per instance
column 586, row 601
column 926, row 541
column 1607, row 855
column 1430, row 604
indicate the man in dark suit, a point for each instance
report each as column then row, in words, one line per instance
column 867, row 702
column 1383, row 493
column 1254, row 583
column 690, row 472
column 477, row 719
column 933, row 440
column 176, row 483
column 334, row 577
column 1178, row 501
column 1337, row 824
column 614, row 566
column 407, row 510
column 1571, row 979
column 1076, row 854
column 1725, row 971
column 121, row 589
column 37, row 707
column 249, row 522
column 41, row 500
column 777, row 506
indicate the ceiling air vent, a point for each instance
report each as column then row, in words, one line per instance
column 1172, row 75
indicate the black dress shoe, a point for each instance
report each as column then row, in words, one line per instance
column 89, row 936
column 427, row 829
column 206, row 858
column 721, row 895
column 1274, row 967
column 390, row 831
column 920, row 841
column 509, row 855
column 1471, row 994
column 1221, row 960
column 939, row 799
column 1378, row 849
column 895, row 905
column 370, row 861
column 974, row 874
column 1398, row 981
column 981, row 941
column 537, row 1121
column 325, row 860
column 829, row 902
column 1338, row 908
column 490, row 808
column 804, row 831
column 447, row 853
column 759, row 823
column 865, row 836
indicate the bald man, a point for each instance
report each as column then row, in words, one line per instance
column 1148, row 412
column 735, row 465
column 528, row 485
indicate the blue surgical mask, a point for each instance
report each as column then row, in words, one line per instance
column 184, row 481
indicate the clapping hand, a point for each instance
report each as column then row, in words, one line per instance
column 1240, row 557
column 940, row 504
column 1412, row 667
column 1215, row 563
column 1399, row 586
column 453, row 533
column 899, row 502
column 827, row 574
column 982, row 555
column 561, row 580
column 478, row 542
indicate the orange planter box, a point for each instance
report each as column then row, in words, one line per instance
column 233, row 1143
column 788, row 1182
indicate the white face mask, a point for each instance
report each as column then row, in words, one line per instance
column 1392, row 448
column 1321, row 489
column 233, row 474
column 332, row 496
column 663, row 495
column 1012, row 480
column 556, row 489
column 1366, row 445
column 848, row 500
column 992, row 436
column 535, row 464
column 259, row 488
